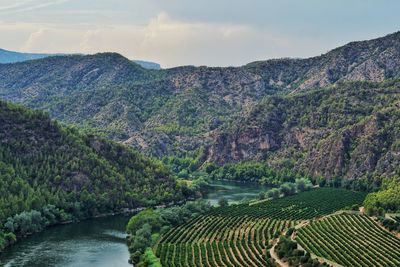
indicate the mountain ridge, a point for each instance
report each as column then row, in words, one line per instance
column 7, row 56
column 185, row 110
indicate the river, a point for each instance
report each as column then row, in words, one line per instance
column 232, row 191
column 98, row 242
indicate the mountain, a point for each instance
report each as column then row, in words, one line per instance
column 43, row 163
column 207, row 112
column 110, row 92
column 12, row 57
column 148, row 64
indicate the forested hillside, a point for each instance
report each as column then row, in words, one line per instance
column 51, row 173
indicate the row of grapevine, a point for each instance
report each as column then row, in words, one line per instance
column 238, row 235
column 303, row 206
column 350, row 240
column 211, row 240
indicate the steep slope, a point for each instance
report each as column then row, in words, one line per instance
column 349, row 130
column 43, row 163
column 180, row 110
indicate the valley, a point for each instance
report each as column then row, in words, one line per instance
column 282, row 162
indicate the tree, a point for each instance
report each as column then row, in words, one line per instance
column 288, row 189
column 222, row 202
column 273, row 193
column 303, row 184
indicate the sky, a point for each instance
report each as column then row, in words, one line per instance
column 193, row 32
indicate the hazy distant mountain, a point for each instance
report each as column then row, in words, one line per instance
column 148, row 64
column 12, row 57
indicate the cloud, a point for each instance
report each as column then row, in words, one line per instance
column 12, row 6
column 33, row 38
column 29, row 5
column 163, row 39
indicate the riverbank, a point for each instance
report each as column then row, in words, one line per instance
column 124, row 211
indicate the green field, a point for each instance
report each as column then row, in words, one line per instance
column 350, row 240
column 238, row 235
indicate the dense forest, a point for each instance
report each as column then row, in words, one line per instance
column 387, row 199
column 51, row 173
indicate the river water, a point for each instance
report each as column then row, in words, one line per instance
column 232, row 191
column 98, row 242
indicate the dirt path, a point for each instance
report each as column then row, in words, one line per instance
column 275, row 256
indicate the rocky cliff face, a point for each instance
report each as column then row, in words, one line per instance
column 350, row 130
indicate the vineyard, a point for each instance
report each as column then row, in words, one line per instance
column 212, row 240
column 350, row 240
column 238, row 235
column 304, row 206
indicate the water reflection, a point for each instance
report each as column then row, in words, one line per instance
column 233, row 191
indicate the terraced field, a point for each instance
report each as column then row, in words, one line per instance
column 350, row 240
column 238, row 235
